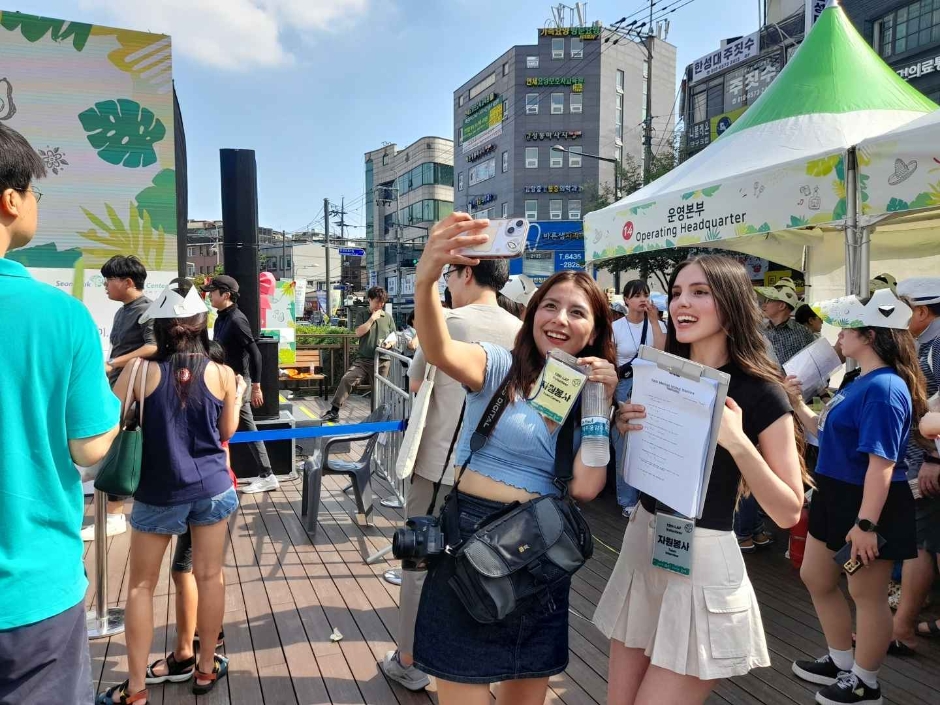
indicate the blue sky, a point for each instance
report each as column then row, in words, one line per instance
column 311, row 85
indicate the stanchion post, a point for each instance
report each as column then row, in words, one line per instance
column 102, row 621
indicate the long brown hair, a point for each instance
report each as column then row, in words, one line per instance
column 896, row 348
column 527, row 361
column 740, row 318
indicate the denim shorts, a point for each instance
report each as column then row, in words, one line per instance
column 531, row 642
column 176, row 519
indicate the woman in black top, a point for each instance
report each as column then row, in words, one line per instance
column 672, row 636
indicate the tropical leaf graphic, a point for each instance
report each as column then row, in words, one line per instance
column 159, row 201
column 710, row 191
column 33, row 28
column 798, row 222
column 636, row 209
column 115, row 238
column 928, row 199
column 686, row 196
column 712, row 235
column 840, row 169
column 670, row 243
column 839, row 212
column 838, row 187
column 146, row 57
column 123, row 132
column 822, row 167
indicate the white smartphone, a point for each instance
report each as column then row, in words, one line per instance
column 507, row 239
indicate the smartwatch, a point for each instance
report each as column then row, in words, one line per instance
column 865, row 525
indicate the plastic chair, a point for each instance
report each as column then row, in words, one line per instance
column 359, row 471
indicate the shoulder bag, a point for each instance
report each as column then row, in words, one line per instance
column 411, row 439
column 625, row 371
column 524, row 549
column 120, row 470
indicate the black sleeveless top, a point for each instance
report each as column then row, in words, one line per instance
column 762, row 404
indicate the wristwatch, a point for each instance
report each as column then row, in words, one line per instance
column 866, row 525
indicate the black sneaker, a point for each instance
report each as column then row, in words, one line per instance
column 331, row 416
column 822, row 671
column 849, row 688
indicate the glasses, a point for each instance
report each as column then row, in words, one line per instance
column 450, row 271
column 37, row 193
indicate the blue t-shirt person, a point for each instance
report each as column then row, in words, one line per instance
column 870, row 416
column 53, row 389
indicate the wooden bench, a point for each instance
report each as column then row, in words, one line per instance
column 306, row 370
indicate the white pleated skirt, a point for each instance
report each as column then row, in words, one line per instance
column 705, row 625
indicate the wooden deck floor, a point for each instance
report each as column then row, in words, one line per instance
column 286, row 594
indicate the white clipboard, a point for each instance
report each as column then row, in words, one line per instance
column 693, row 371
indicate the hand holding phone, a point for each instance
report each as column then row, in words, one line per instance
column 849, row 564
column 505, row 239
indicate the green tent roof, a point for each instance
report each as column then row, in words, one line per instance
column 833, row 71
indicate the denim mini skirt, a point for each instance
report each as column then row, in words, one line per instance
column 531, row 642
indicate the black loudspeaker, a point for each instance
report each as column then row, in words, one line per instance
column 268, row 410
column 240, row 221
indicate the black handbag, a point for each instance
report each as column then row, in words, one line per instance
column 527, row 547
column 625, row 371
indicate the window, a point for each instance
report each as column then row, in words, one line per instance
column 618, row 118
column 531, row 157
column 577, row 48
column 505, row 68
column 618, row 154
column 716, row 97
column 385, row 160
column 558, row 48
column 189, row 251
column 482, row 172
column 619, row 81
column 532, row 210
column 556, row 158
column 908, row 28
column 646, row 69
column 460, row 181
column 505, row 161
column 574, row 210
column 531, row 103
column 190, row 269
column 505, row 211
column 532, row 62
column 558, row 103
column 462, row 100
column 575, row 102
column 482, row 85
column 554, row 209
column 699, row 104
column 574, row 157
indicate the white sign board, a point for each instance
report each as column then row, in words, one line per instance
column 731, row 54
column 814, row 9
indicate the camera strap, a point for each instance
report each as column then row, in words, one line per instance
column 453, row 442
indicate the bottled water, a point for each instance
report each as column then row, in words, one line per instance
column 595, row 425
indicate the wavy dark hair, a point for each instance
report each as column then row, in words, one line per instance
column 635, row 287
column 184, row 343
column 740, row 318
column 527, row 361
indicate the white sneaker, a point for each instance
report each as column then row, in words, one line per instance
column 262, row 484
column 116, row 524
column 408, row 676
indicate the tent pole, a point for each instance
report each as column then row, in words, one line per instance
column 853, row 268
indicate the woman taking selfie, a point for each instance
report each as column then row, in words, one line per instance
column 862, row 496
column 189, row 409
column 641, row 326
column 517, row 464
column 673, row 636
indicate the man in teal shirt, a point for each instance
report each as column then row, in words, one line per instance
column 56, row 411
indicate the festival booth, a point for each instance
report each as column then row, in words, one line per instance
column 781, row 182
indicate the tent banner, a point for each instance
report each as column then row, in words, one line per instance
column 793, row 195
column 900, row 174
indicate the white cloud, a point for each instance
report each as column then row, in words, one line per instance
column 231, row 34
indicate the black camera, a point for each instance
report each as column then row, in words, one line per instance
column 420, row 540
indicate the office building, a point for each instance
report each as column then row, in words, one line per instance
column 407, row 191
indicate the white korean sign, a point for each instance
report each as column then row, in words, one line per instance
column 408, row 284
column 814, row 9
column 732, row 54
column 391, row 285
column 920, row 68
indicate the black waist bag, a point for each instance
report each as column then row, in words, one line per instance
column 525, row 549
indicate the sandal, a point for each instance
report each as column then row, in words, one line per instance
column 176, row 671
column 219, row 670
column 219, row 643
column 932, row 630
column 107, row 697
column 899, row 648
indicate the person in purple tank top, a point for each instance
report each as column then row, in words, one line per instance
column 189, row 411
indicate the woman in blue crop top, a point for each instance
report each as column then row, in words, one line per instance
column 568, row 312
column 673, row 636
column 190, row 408
column 862, row 493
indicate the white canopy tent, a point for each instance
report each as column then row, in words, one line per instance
column 781, row 182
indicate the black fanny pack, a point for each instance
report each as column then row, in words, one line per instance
column 527, row 547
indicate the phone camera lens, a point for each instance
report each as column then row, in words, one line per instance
column 510, row 230
column 519, row 223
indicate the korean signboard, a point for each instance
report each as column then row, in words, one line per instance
column 555, row 188
column 568, row 260
column 720, row 123
column 745, row 85
column 579, row 32
column 732, row 54
column 556, row 81
column 482, row 121
column 556, row 135
column 814, row 9
column 551, row 246
column 698, row 136
column 920, row 68
column 481, row 152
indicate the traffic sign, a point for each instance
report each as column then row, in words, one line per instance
column 352, row 252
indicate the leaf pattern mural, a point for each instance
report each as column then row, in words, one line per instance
column 33, row 28
column 159, row 201
column 123, row 132
column 116, row 238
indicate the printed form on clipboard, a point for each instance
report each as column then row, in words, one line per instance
column 670, row 459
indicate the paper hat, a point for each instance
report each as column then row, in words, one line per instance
column 619, row 307
column 922, row 291
column 882, row 281
column 883, row 310
column 786, row 281
column 783, row 293
column 519, row 288
column 170, row 304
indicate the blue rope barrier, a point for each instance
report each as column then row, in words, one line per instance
column 283, row 434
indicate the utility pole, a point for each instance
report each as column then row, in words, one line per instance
column 326, row 252
column 648, row 123
column 398, row 296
